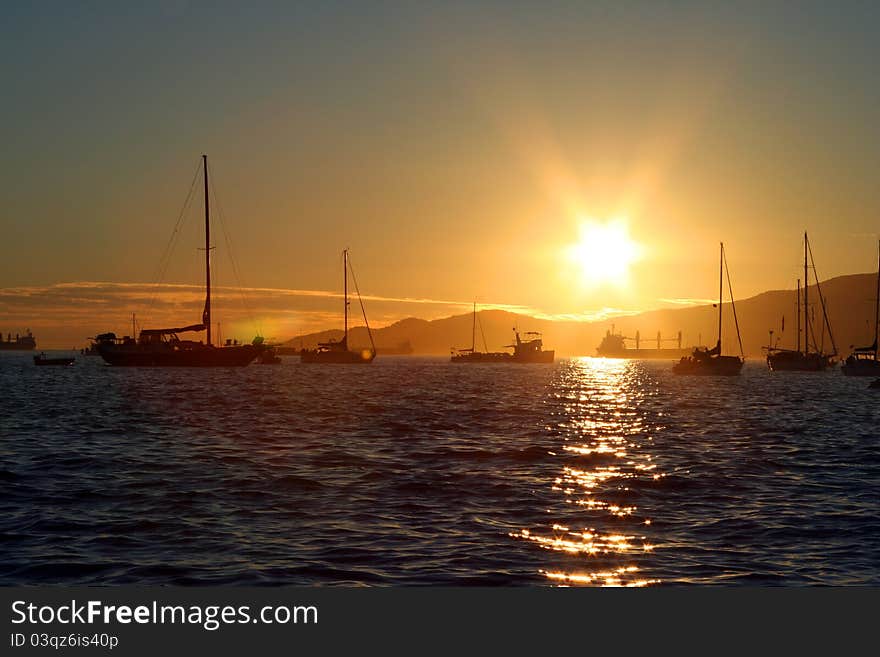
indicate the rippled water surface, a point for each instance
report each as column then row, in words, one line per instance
column 417, row 471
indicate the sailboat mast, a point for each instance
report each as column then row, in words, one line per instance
column 206, row 320
column 474, row 329
column 799, row 315
column 877, row 305
column 345, row 291
column 806, row 302
column 720, row 295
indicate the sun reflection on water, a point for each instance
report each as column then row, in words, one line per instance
column 596, row 411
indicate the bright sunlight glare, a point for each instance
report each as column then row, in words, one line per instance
column 604, row 252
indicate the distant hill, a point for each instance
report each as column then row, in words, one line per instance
column 439, row 335
column 850, row 302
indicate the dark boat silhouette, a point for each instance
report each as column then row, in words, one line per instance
column 798, row 360
column 530, row 350
column 863, row 360
column 337, row 351
column 472, row 355
column 91, row 350
column 19, row 343
column 164, row 348
column 710, row 361
column 42, row 360
column 613, row 345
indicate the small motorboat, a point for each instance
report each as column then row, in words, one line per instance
column 43, row 360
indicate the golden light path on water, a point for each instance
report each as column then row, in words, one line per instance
column 596, row 413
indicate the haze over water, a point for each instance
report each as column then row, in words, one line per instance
column 417, row 471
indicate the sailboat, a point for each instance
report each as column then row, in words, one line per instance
column 472, row 355
column 863, row 360
column 530, row 350
column 710, row 361
column 806, row 360
column 164, row 348
column 338, row 351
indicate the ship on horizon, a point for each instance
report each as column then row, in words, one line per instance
column 614, row 345
column 25, row 342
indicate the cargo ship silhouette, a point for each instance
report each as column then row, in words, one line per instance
column 614, row 345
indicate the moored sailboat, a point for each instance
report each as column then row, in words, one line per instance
column 338, row 351
column 472, row 355
column 863, row 361
column 528, row 350
column 164, row 348
column 804, row 360
column 711, row 361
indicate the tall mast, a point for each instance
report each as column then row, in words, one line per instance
column 345, row 291
column 799, row 315
column 720, row 295
column 206, row 318
column 877, row 305
column 474, row 329
column 806, row 302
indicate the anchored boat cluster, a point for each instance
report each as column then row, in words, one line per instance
column 163, row 347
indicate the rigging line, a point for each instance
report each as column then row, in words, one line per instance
column 482, row 333
column 361, row 301
column 810, row 317
column 822, row 300
column 235, row 270
column 165, row 260
column 733, row 305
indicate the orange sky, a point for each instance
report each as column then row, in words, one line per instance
column 455, row 150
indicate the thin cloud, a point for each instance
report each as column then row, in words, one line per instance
column 65, row 311
column 188, row 292
column 687, row 302
column 588, row 315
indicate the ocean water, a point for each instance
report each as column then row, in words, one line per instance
column 414, row 471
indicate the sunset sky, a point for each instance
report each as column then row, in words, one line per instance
column 461, row 151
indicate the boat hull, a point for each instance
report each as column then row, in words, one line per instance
column 482, row 357
column 713, row 366
column 503, row 357
column 644, row 354
column 18, row 345
column 162, row 356
column 861, row 367
column 795, row 361
column 535, row 357
column 59, row 362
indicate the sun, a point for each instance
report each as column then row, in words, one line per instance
column 604, row 252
